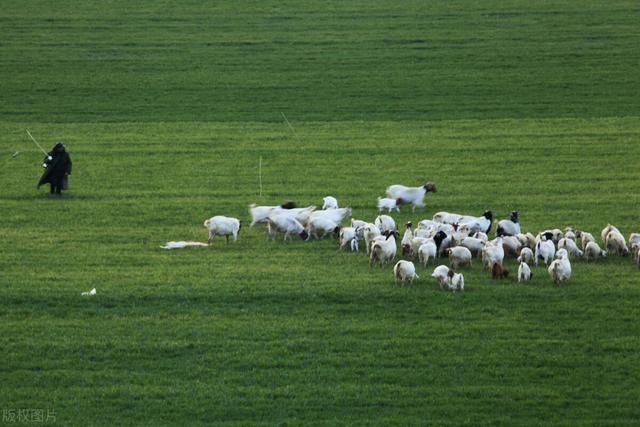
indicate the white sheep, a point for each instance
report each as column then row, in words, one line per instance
column 426, row 251
column 459, row 256
column 593, row 251
column 481, row 236
column 509, row 227
column 493, row 253
column 336, row 215
column 220, row 225
column 455, row 281
column 323, row 225
column 370, row 232
column 286, row 224
column 526, row 255
column 441, row 274
column 259, row 214
column 387, row 203
column 405, row 243
column 384, row 248
column 605, row 231
column 349, row 236
column 527, row 239
column 410, row 195
column 569, row 233
column 473, row 224
column 511, row 245
column 570, row 246
column 554, row 235
column 546, row 250
column 560, row 269
column 404, row 271
column 585, row 238
column 330, row 202
column 183, row 244
column 524, row 272
column 385, row 223
column 473, row 244
column 447, row 217
column 615, row 243
column 634, row 238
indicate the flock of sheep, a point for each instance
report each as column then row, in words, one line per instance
column 459, row 237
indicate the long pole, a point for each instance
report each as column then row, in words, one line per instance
column 36, row 142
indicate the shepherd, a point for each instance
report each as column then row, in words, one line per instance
column 57, row 168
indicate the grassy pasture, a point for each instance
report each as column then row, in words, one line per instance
column 167, row 108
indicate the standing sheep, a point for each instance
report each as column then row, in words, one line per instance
column 404, row 271
column 410, row 195
column 223, row 226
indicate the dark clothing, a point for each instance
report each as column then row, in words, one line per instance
column 57, row 169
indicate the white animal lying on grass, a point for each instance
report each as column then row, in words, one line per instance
column 183, row 244
column 89, row 293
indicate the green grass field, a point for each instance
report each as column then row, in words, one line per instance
column 166, row 109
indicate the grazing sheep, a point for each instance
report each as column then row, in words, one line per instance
column 370, row 232
column 570, row 246
column 385, row 223
column 508, row 227
column 560, row 269
column 481, row 236
column 286, row 224
column 473, row 244
column 416, row 242
column 421, row 232
column 406, row 240
column 428, row 224
column 593, row 251
column 511, row 245
column 615, row 243
column 459, row 256
column 634, row 238
column 585, row 238
column 330, row 202
column 259, row 214
column 389, row 204
column 524, row 272
column 527, row 239
column 455, row 282
column 348, row 236
column 426, row 251
column 183, row 244
column 526, row 255
column 474, row 224
column 493, row 253
column 569, row 233
column 636, row 253
column 223, row 226
column 410, row 195
column 499, row 272
column 441, row 274
column 546, row 250
column 323, row 225
column 384, row 249
column 553, row 234
column 404, row 271
column 605, row 231
column 357, row 223
column 447, row 217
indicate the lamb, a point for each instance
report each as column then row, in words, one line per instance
column 459, row 256
column 404, row 271
column 385, row 223
column 499, row 272
column 524, row 272
column 323, row 225
column 223, row 226
column 508, row 227
column 455, row 281
column 259, row 214
column 330, row 202
column 585, row 238
column 406, row 239
column 389, row 204
column 286, row 224
column 183, row 244
column 493, row 253
column 410, row 195
column 473, row 224
column 570, row 246
column 370, row 232
column 560, row 269
column 615, row 243
column 592, row 251
column 546, row 250
column 526, row 255
column 441, row 274
column 426, row 251
column 383, row 250
column 348, row 236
